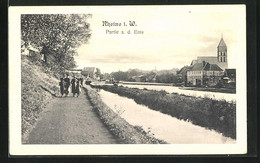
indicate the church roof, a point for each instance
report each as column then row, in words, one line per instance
column 209, row 59
column 212, row 67
column 222, row 43
column 197, row 67
column 205, row 67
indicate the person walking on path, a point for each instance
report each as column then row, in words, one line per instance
column 61, row 84
column 67, row 85
column 73, row 85
column 77, row 87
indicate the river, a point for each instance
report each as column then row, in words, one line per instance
column 174, row 89
column 164, row 127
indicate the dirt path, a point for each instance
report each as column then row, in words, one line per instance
column 70, row 120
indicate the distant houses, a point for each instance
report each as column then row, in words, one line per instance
column 88, row 72
column 182, row 74
column 150, row 77
column 91, row 72
column 75, row 72
column 208, row 70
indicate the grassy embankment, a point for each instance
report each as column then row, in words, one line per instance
column 38, row 88
column 221, row 90
column 125, row 132
column 205, row 112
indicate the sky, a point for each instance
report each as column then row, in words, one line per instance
column 172, row 36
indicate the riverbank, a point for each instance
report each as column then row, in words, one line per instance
column 220, row 90
column 207, row 89
column 125, row 132
column 198, row 94
column 145, row 83
column 205, row 112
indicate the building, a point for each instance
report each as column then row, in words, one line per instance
column 204, row 74
column 91, row 72
column 75, row 72
column 182, row 74
column 31, row 51
column 220, row 59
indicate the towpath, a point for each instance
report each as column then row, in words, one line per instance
column 70, row 120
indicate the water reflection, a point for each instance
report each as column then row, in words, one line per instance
column 163, row 126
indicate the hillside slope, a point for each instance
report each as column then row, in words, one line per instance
column 38, row 88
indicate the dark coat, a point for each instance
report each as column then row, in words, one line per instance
column 66, row 82
column 77, row 87
column 73, row 85
column 61, row 84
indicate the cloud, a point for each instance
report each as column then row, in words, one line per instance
column 122, row 58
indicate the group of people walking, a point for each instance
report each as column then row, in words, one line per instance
column 75, row 84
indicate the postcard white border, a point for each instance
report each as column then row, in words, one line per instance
column 17, row 148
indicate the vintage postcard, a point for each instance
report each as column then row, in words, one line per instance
column 127, row 80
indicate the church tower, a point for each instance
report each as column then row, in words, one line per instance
column 222, row 54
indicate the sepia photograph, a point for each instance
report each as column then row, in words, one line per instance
column 113, row 80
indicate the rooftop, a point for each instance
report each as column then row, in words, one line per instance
column 206, row 67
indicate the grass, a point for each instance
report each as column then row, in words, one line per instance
column 38, row 88
column 205, row 112
column 221, row 90
column 125, row 133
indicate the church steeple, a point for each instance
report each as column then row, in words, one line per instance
column 222, row 43
column 222, row 51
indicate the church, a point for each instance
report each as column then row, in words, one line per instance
column 220, row 59
column 206, row 70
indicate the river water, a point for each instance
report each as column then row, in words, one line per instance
column 173, row 89
column 164, row 127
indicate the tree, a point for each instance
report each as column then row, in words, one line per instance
column 167, row 78
column 134, row 72
column 120, row 75
column 106, row 76
column 56, row 36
